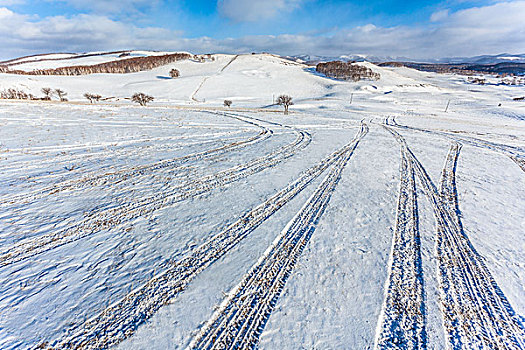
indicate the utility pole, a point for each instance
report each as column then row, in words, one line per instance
column 351, row 97
column 448, row 103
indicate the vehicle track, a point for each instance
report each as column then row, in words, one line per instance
column 402, row 323
column 519, row 161
column 447, row 185
column 121, row 319
column 476, row 313
column 112, row 178
column 242, row 316
column 115, row 217
column 62, row 160
column 192, row 97
column 517, row 154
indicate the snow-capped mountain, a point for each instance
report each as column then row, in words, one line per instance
column 484, row 59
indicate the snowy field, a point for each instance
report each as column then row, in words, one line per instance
column 381, row 223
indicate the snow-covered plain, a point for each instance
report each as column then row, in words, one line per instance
column 385, row 222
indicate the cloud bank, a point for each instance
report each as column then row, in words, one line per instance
column 255, row 10
column 481, row 30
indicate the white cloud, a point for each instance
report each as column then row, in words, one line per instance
column 255, row 10
column 485, row 30
column 439, row 15
column 6, row 13
column 79, row 33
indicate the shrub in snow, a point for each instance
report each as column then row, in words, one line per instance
column 513, row 81
column 92, row 97
column 141, row 98
column 15, row 94
column 174, row 73
column 227, row 103
column 479, row 81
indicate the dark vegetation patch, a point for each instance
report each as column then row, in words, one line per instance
column 346, row 71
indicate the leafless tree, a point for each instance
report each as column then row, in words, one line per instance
column 61, row 94
column 227, row 103
column 15, row 94
column 47, row 93
column 285, row 101
column 141, row 98
column 174, row 73
column 92, row 97
column 89, row 97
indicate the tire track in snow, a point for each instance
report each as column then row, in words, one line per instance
column 519, row 161
column 112, row 178
column 192, row 97
column 70, row 166
column 242, row 316
column 120, row 320
column 402, row 323
column 447, row 185
column 517, row 154
column 476, row 313
column 115, row 217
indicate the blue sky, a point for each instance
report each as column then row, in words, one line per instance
column 392, row 28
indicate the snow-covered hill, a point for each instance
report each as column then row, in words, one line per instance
column 376, row 213
column 252, row 80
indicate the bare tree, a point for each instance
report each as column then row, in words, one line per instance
column 285, row 101
column 227, row 103
column 141, row 98
column 89, row 97
column 47, row 93
column 174, row 73
column 92, row 97
column 15, row 94
column 61, row 94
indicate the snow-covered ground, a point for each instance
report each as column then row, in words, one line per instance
column 368, row 217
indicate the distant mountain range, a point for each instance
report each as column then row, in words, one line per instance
column 484, row 59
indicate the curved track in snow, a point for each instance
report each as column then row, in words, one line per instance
column 242, row 316
column 65, row 156
column 116, row 217
column 517, row 154
column 111, row 178
column 121, row 319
